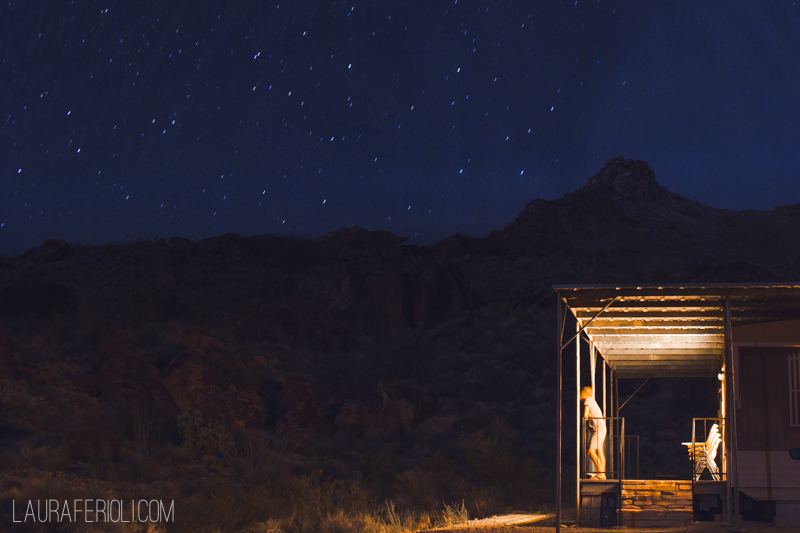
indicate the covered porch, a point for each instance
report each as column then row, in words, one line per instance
column 645, row 332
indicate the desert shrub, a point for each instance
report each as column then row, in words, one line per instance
column 425, row 488
column 93, row 308
column 509, row 477
column 256, row 458
column 481, row 501
column 308, row 504
column 225, row 507
column 146, row 431
column 391, row 514
column 199, row 434
column 379, row 470
column 43, row 457
column 315, row 496
column 419, row 488
column 454, row 514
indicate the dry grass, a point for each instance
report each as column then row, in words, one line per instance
column 343, row 522
column 547, row 526
column 305, row 505
column 455, row 514
column 248, row 482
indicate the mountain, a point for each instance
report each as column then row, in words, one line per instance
column 347, row 363
column 624, row 227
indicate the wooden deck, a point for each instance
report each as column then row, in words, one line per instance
column 642, row 503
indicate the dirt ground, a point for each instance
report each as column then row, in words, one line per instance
column 546, row 524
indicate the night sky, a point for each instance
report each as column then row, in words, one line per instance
column 126, row 120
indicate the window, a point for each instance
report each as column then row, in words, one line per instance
column 794, row 390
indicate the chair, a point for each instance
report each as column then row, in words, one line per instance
column 704, row 453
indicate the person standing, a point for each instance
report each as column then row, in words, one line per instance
column 596, row 425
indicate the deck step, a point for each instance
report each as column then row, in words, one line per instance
column 656, row 503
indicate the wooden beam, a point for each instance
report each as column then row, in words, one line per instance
column 669, row 363
column 657, row 313
column 644, row 352
column 762, row 315
column 742, row 306
column 646, row 322
column 611, row 353
column 627, row 363
column 671, row 374
column 677, row 337
column 635, row 305
column 632, row 344
column 647, row 358
column 711, row 290
column 626, row 373
column 716, row 330
column 584, row 324
column 667, row 372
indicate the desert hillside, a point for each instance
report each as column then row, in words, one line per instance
column 277, row 381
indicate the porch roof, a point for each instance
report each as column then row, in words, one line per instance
column 672, row 330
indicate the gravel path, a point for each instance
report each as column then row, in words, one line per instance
column 522, row 523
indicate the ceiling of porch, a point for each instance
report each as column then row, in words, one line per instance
column 672, row 330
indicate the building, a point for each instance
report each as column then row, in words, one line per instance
column 748, row 337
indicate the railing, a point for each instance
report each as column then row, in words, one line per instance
column 610, row 432
column 630, row 458
column 706, row 450
column 621, row 451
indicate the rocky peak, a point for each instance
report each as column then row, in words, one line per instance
column 625, row 177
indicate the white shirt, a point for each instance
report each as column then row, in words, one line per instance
column 594, row 409
column 594, row 412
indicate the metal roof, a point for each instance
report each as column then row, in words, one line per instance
column 672, row 330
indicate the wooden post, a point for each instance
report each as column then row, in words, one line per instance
column 618, row 459
column 610, row 430
column 560, row 332
column 723, row 413
column 731, row 408
column 605, row 388
column 605, row 413
column 578, row 418
column 593, row 363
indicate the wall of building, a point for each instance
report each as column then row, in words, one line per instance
column 766, row 472
column 762, row 415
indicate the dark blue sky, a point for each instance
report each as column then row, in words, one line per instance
column 134, row 120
